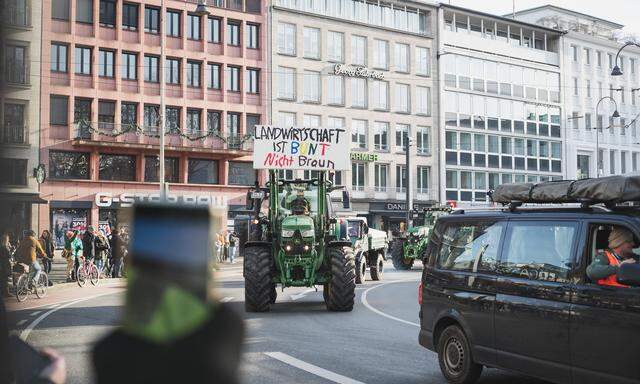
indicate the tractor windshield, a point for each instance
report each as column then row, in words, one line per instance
column 293, row 194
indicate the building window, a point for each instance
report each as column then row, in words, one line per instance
column 59, row 110
column 172, row 122
column 173, row 23
column 252, row 80
column 251, row 122
column 423, row 56
column 311, row 87
column 286, row 83
column 81, row 110
column 358, row 50
column 381, row 54
column 193, row 74
column 401, row 135
column 401, row 178
column 59, row 57
column 17, row 64
column 286, row 119
column 233, row 33
column 233, row 78
column 574, row 53
column 151, row 68
column 129, row 66
column 172, row 71
column 14, row 172
column 203, row 171
column 286, row 39
column 423, row 140
column 193, row 121
column 402, row 98
column 380, row 94
column 599, row 59
column 335, row 90
column 214, row 76
column 587, row 56
column 423, row 100
column 402, row 57
column 311, row 121
column 60, row 9
column 381, row 136
column 311, row 43
column 233, row 124
column 108, row 13
column 358, row 172
column 253, row 36
column 335, row 122
column 130, row 16
column 152, row 169
column 358, row 93
column 359, row 133
column 128, row 114
column 83, row 60
column 14, row 124
column 151, row 118
column 151, row 19
column 214, row 30
column 213, row 121
column 84, row 11
column 106, row 114
column 106, row 63
column 69, row 165
column 241, row 173
column 381, row 171
column 193, row 27
column 335, row 46
column 422, row 180
column 117, row 167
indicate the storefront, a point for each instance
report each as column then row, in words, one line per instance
column 388, row 215
column 16, row 213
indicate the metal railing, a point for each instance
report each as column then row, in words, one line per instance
column 16, row 74
column 14, row 134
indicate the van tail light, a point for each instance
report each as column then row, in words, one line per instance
column 420, row 293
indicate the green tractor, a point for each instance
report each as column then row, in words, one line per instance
column 298, row 243
column 408, row 246
column 370, row 247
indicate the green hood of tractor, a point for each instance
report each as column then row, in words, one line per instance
column 300, row 222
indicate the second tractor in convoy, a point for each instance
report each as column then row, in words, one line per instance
column 370, row 248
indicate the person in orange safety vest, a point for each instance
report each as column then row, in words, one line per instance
column 604, row 267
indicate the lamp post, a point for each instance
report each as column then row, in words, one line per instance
column 615, row 115
column 616, row 71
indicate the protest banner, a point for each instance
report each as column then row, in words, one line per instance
column 319, row 149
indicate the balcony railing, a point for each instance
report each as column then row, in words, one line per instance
column 17, row 74
column 14, row 134
column 17, row 15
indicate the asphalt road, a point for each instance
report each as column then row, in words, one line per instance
column 297, row 342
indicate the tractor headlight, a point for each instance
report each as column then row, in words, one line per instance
column 286, row 233
column 287, row 248
column 308, row 233
column 306, row 247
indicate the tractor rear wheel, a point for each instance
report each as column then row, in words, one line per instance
column 397, row 256
column 377, row 269
column 361, row 269
column 341, row 290
column 258, row 288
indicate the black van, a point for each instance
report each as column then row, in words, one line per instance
column 508, row 289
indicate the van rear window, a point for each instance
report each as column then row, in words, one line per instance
column 470, row 247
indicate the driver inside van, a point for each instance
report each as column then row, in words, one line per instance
column 604, row 267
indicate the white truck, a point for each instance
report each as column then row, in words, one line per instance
column 370, row 248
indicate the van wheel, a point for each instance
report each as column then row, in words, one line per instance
column 454, row 356
column 378, row 270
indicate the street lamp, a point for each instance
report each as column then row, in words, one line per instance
column 201, row 9
column 615, row 116
column 616, row 69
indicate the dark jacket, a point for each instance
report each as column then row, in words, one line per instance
column 89, row 245
column 600, row 267
column 101, row 247
column 48, row 246
column 117, row 246
column 209, row 355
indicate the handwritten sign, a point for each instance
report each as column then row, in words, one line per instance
column 301, row 148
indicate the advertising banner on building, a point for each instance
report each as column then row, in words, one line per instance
column 319, row 149
column 67, row 220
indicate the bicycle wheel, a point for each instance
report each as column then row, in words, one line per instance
column 41, row 285
column 22, row 287
column 94, row 274
column 81, row 275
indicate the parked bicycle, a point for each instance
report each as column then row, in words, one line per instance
column 24, row 285
column 87, row 270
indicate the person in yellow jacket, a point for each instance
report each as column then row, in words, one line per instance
column 27, row 253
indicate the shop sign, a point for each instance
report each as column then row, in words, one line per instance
column 395, row 207
column 320, row 149
column 107, row 199
column 364, row 156
column 353, row 71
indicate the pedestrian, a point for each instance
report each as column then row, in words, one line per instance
column 27, row 253
column 5, row 264
column 219, row 244
column 46, row 241
column 116, row 254
column 233, row 247
column 89, row 243
column 102, row 250
column 73, row 250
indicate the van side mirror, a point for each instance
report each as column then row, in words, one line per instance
column 249, row 201
column 629, row 274
column 346, row 200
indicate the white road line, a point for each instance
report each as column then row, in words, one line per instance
column 226, row 299
column 35, row 313
column 27, row 331
column 364, row 301
column 21, row 322
column 321, row 372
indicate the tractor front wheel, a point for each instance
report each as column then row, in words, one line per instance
column 397, row 256
column 341, row 290
column 258, row 288
column 377, row 268
column 361, row 269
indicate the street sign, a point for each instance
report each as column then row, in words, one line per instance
column 319, row 149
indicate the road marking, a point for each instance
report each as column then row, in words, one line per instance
column 321, row 372
column 35, row 313
column 21, row 322
column 301, row 295
column 27, row 331
column 226, row 299
column 364, row 301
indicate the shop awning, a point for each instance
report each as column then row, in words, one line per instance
column 32, row 198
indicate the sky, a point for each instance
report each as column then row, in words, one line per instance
column 626, row 12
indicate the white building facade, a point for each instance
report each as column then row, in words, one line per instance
column 597, row 143
column 500, row 114
column 368, row 67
